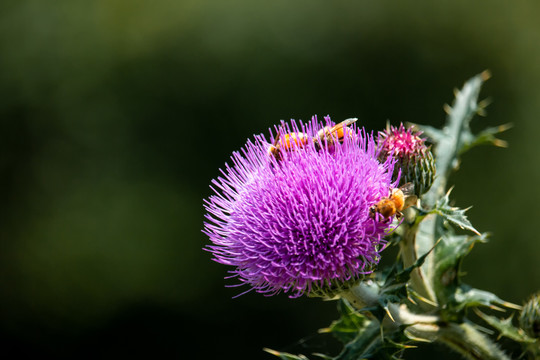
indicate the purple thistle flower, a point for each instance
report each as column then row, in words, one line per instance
column 301, row 222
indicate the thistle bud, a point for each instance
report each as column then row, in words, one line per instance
column 412, row 156
column 529, row 319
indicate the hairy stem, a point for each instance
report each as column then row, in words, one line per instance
column 418, row 282
column 469, row 342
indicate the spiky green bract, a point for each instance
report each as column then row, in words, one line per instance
column 529, row 318
column 529, row 321
column 413, row 158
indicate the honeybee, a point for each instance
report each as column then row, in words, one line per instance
column 328, row 135
column 288, row 142
column 399, row 199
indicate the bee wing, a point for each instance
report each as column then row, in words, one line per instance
column 343, row 124
column 410, row 198
column 407, row 189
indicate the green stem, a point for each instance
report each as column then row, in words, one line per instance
column 418, row 281
column 462, row 337
column 469, row 342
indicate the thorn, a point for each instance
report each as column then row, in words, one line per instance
column 447, row 109
column 500, row 143
column 324, row 331
column 496, row 308
column 273, row 352
column 484, row 329
column 426, row 300
column 478, row 312
column 505, row 127
column 481, row 112
column 485, row 103
column 512, row 306
column 388, row 313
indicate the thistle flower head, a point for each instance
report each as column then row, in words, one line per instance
column 300, row 222
column 413, row 158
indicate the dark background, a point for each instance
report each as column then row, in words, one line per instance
column 115, row 115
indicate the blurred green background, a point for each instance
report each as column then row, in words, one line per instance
column 115, row 115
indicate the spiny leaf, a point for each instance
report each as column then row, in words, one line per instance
column 403, row 276
column 448, row 144
column 362, row 337
column 450, row 140
column 466, row 296
column 373, row 344
column 453, row 248
column 364, row 345
column 447, row 261
column 453, row 214
column 463, row 110
column 505, row 328
column 485, row 137
column 350, row 323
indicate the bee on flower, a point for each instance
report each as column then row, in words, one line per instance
column 399, row 199
column 325, row 138
column 299, row 220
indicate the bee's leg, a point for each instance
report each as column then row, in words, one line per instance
column 276, row 139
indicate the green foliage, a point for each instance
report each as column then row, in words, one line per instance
column 421, row 297
column 447, row 259
column 506, row 328
column 453, row 214
column 465, row 296
column 350, row 323
column 363, row 338
column 451, row 141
